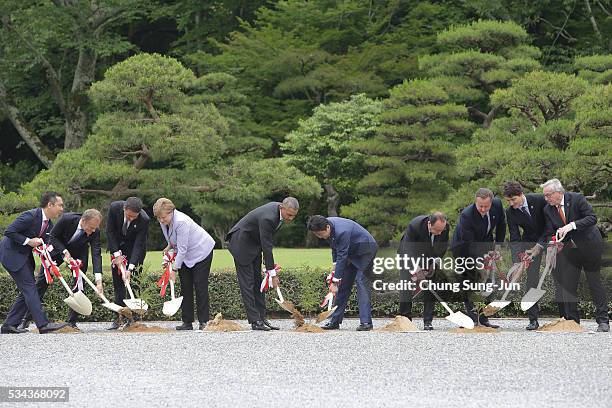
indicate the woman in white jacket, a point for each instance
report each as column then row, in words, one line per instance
column 193, row 248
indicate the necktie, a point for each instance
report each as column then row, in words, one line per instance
column 280, row 224
column 487, row 220
column 561, row 214
column 126, row 224
column 432, row 237
column 43, row 228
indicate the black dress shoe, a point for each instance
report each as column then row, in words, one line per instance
column 330, row 326
column 6, row 329
column 203, row 325
column 427, row 326
column 487, row 323
column 51, row 327
column 260, row 325
column 533, row 325
column 24, row 324
column 365, row 327
column 603, row 327
column 184, row 326
column 73, row 325
column 267, row 323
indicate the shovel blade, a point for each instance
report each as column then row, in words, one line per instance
column 284, row 305
column 137, row 305
column 461, row 319
column 326, row 314
column 531, row 298
column 79, row 303
column 172, row 306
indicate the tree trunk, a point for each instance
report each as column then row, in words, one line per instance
column 77, row 120
column 333, row 200
column 311, row 240
column 41, row 151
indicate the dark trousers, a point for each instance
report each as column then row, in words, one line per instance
column 195, row 277
column 361, row 278
column 28, row 298
column 407, row 297
column 569, row 268
column 249, row 280
column 41, row 288
column 533, row 278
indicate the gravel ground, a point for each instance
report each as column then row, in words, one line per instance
column 513, row 368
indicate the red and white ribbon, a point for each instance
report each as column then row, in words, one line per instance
column 167, row 266
column 266, row 282
column 120, row 268
column 49, row 266
column 75, row 267
column 330, row 297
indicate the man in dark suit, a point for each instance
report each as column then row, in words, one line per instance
column 526, row 213
column 251, row 236
column 72, row 237
column 127, row 226
column 353, row 253
column 28, row 231
column 473, row 238
column 425, row 237
column 572, row 217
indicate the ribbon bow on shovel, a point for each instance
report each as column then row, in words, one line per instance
column 329, row 299
column 266, row 282
column 77, row 300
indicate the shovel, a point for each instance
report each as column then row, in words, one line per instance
column 324, row 315
column 137, row 305
column 458, row 318
column 172, row 306
column 288, row 306
column 534, row 294
column 109, row 305
column 497, row 305
column 77, row 300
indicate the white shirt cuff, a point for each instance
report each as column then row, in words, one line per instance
column 131, row 267
column 26, row 241
column 98, row 277
column 573, row 224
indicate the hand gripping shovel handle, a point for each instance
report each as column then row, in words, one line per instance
column 56, row 272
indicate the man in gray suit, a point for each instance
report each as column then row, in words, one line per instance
column 251, row 236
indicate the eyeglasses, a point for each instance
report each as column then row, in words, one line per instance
column 550, row 194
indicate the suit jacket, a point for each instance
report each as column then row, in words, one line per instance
column 532, row 227
column 190, row 241
column 350, row 244
column 471, row 238
column 61, row 234
column 416, row 241
column 13, row 254
column 586, row 236
column 253, row 235
column 134, row 243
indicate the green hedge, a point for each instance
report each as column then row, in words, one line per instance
column 304, row 286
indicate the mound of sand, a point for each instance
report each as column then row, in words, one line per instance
column 562, row 325
column 400, row 324
column 218, row 324
column 476, row 329
column 142, row 328
column 309, row 328
column 64, row 330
